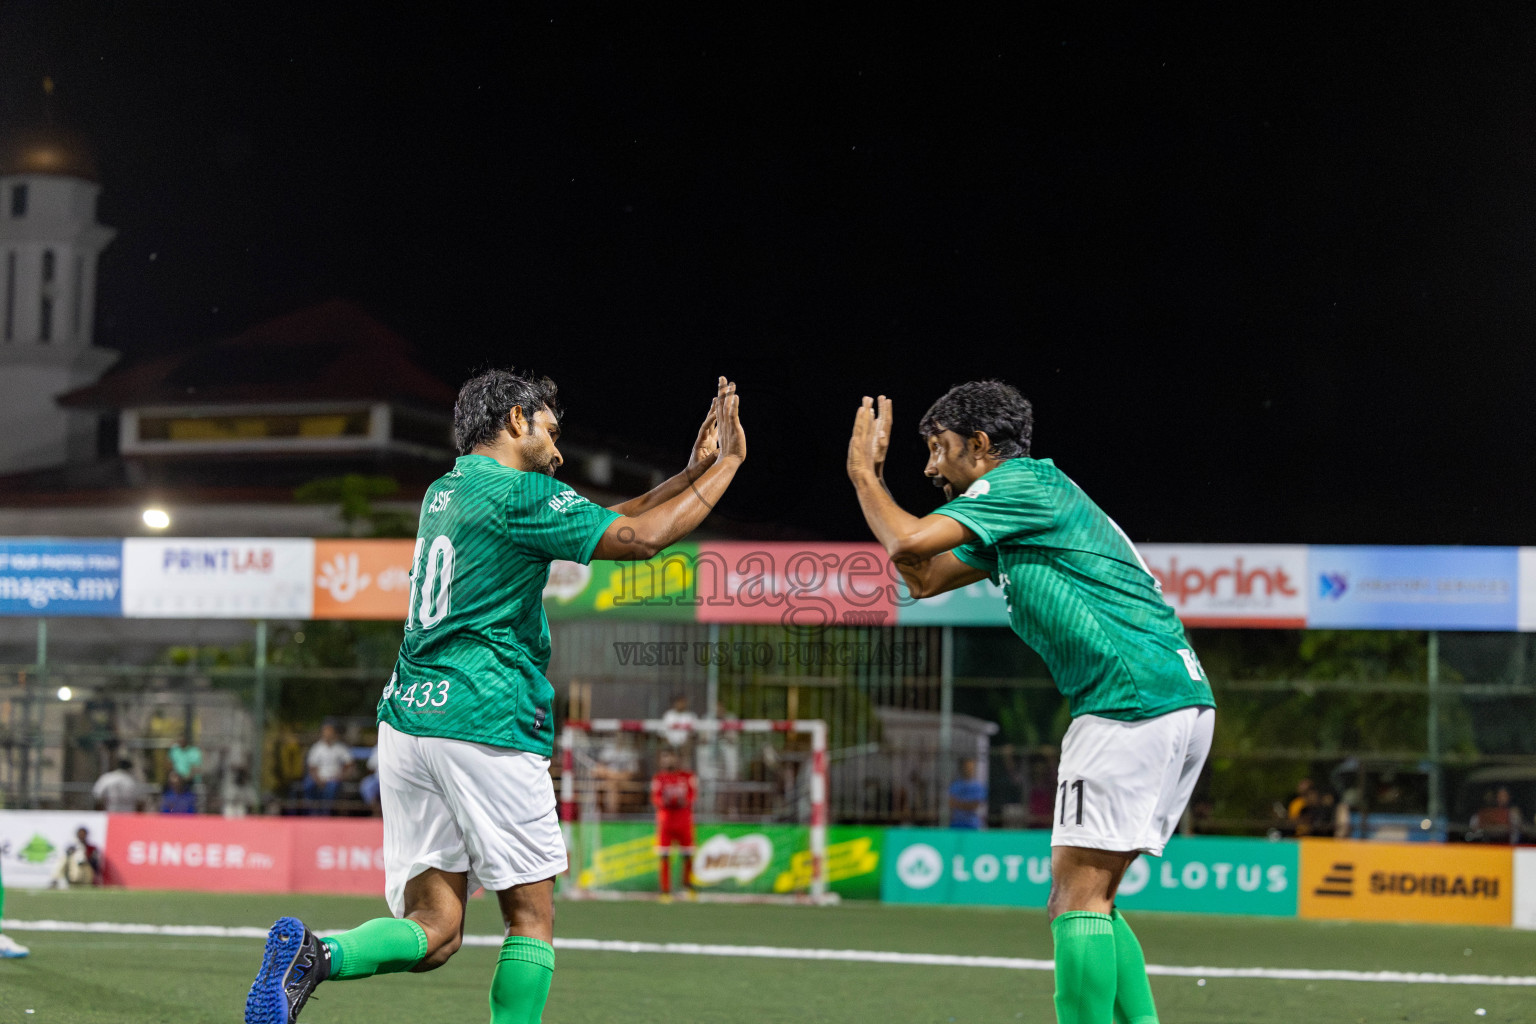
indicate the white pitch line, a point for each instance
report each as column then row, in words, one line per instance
column 867, row 956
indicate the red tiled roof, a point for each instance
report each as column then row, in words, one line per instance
column 323, row 353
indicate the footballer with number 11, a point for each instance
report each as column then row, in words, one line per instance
column 466, row 723
column 1080, row 595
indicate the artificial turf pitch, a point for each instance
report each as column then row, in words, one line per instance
column 160, row 979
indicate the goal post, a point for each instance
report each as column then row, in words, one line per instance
column 760, row 818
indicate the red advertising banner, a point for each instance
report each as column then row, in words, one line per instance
column 797, row 585
column 1224, row 585
column 199, row 852
column 341, row 855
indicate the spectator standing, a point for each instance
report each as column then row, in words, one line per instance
column 117, row 791
column 967, row 798
column 328, row 761
column 177, row 798
column 679, row 721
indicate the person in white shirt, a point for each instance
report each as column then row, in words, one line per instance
column 679, row 722
column 117, row 791
column 328, row 761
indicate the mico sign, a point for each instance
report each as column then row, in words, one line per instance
column 1200, row 875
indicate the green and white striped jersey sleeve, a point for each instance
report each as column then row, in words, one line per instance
column 1002, row 506
column 978, row 556
column 548, row 520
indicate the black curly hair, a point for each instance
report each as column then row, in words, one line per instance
column 486, row 400
column 987, row 405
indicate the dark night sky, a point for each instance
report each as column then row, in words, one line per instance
column 1265, row 277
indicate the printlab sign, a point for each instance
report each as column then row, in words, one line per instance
column 1197, row 875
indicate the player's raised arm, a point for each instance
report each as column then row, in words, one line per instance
column 919, row 548
column 706, row 449
column 632, row 537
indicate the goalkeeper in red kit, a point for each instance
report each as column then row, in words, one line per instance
column 673, row 791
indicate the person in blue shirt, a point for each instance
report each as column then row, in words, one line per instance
column 178, row 799
column 968, row 798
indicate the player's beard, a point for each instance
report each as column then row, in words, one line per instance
column 540, row 460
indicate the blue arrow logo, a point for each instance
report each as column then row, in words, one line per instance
column 1332, row 585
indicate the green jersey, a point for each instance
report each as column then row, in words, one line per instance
column 476, row 640
column 1079, row 594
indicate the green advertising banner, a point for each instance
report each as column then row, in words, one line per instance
column 1198, row 874
column 637, row 590
column 730, row 858
column 980, row 604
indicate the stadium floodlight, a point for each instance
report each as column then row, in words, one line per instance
column 65, row 693
column 791, row 758
column 157, row 518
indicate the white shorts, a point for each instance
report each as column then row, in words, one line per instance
column 1123, row 785
column 459, row 806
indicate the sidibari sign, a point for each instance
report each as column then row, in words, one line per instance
column 1362, row 881
column 1196, row 875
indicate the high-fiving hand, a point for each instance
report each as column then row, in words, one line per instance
column 733, row 440
column 871, row 438
column 706, row 447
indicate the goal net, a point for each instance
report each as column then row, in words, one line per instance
column 760, row 814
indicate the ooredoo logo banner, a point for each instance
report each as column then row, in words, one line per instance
column 362, row 579
column 1215, row 585
column 197, row 852
column 217, row 578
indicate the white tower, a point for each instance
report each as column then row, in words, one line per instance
column 49, row 244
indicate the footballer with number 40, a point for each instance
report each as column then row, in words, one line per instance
column 466, row 723
column 1080, row 595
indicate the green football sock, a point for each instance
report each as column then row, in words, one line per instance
column 521, row 982
column 1133, row 990
column 1085, row 967
column 385, row 945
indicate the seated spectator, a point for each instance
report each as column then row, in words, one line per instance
column 1322, row 816
column 117, row 791
column 81, row 864
column 967, row 798
column 238, row 796
column 1499, row 822
column 328, row 761
column 617, row 767
column 1298, row 813
column 368, row 789
column 1042, row 792
column 178, row 798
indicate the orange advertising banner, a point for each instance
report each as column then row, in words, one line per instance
column 1430, row 882
column 362, row 579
